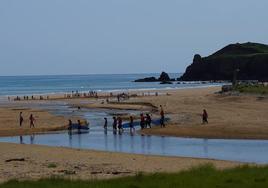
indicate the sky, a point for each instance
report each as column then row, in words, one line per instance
column 47, row 37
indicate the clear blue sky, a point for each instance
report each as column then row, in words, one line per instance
column 121, row 36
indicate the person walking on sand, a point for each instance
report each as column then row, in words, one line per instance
column 21, row 119
column 31, row 121
column 205, row 117
column 162, row 119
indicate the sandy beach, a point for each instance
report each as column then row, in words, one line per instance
column 35, row 162
column 238, row 117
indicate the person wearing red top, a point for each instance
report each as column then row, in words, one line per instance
column 142, row 123
column 162, row 119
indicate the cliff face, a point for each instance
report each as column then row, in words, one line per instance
column 250, row 58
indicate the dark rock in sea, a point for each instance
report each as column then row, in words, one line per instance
column 250, row 60
column 164, row 77
column 148, row 79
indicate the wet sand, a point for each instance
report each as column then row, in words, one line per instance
column 35, row 162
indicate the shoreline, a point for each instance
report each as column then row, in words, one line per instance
column 105, row 93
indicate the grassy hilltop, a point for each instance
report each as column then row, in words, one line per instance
column 250, row 58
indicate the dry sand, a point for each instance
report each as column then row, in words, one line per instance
column 43, row 162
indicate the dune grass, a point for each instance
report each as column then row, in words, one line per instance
column 201, row 177
column 256, row 88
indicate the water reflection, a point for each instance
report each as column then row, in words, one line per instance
column 163, row 145
column 205, row 144
column 237, row 150
column 21, row 140
column 32, row 139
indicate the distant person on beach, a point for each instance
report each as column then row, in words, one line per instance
column 162, row 119
column 131, row 124
column 142, row 121
column 31, row 121
column 105, row 123
column 118, row 98
column 205, row 117
column 148, row 121
column 21, row 119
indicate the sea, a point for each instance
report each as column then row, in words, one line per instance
column 53, row 84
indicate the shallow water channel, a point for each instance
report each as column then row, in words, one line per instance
column 255, row 151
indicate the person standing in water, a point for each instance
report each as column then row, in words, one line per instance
column 21, row 119
column 79, row 126
column 114, row 124
column 70, row 125
column 142, row 122
column 105, row 124
column 131, row 124
column 162, row 119
column 31, row 121
column 205, row 117
column 148, row 121
column 120, row 124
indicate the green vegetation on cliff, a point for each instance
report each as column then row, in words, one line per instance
column 250, row 58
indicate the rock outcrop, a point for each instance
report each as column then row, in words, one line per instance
column 164, row 78
column 250, row 60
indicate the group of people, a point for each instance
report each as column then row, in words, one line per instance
column 77, row 94
column 31, row 119
column 18, row 98
column 145, row 122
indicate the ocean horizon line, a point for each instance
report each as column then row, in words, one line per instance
column 90, row 74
